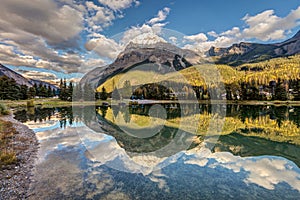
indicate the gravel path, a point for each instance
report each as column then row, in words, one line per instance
column 15, row 179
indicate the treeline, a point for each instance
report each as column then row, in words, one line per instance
column 280, row 89
column 275, row 90
column 10, row 90
column 86, row 92
column 78, row 92
column 65, row 92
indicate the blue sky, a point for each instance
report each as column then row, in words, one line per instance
column 48, row 39
column 194, row 16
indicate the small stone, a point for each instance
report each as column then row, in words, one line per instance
column 8, row 177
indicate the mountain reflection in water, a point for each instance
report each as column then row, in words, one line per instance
column 84, row 154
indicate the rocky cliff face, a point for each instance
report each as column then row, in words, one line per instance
column 251, row 52
column 160, row 52
column 240, row 48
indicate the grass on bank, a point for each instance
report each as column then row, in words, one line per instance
column 3, row 110
column 7, row 132
column 45, row 102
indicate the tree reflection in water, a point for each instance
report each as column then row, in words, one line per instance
column 248, row 129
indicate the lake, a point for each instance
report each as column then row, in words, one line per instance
column 167, row 151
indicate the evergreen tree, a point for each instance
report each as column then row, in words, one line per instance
column 77, row 93
column 63, row 94
column 97, row 95
column 54, row 92
column 65, row 83
column 70, row 92
column 31, row 93
column 39, row 90
column 49, row 91
column 9, row 89
column 254, row 93
column 24, row 92
column 228, row 92
column 127, row 89
column 88, row 92
column 243, row 93
column 60, row 95
column 103, row 94
column 280, row 91
column 35, row 89
column 43, row 91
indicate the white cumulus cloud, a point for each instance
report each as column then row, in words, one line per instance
column 48, row 33
column 268, row 26
column 200, row 37
column 119, row 4
column 161, row 16
column 43, row 18
column 104, row 47
column 264, row 26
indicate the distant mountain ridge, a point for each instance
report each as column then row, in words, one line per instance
column 253, row 52
column 21, row 80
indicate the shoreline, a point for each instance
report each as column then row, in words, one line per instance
column 46, row 103
column 15, row 179
column 221, row 102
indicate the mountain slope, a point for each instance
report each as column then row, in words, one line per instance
column 4, row 71
column 134, row 54
column 290, row 46
column 21, row 80
column 254, row 52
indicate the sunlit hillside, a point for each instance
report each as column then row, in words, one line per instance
column 200, row 75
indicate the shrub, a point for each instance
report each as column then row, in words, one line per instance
column 7, row 158
column 7, row 154
column 3, row 110
column 30, row 103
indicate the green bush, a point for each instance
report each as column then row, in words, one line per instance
column 30, row 103
column 3, row 110
column 7, row 158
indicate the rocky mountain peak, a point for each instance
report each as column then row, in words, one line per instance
column 252, row 52
column 147, row 39
column 155, row 50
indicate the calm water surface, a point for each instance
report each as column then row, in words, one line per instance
column 148, row 152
